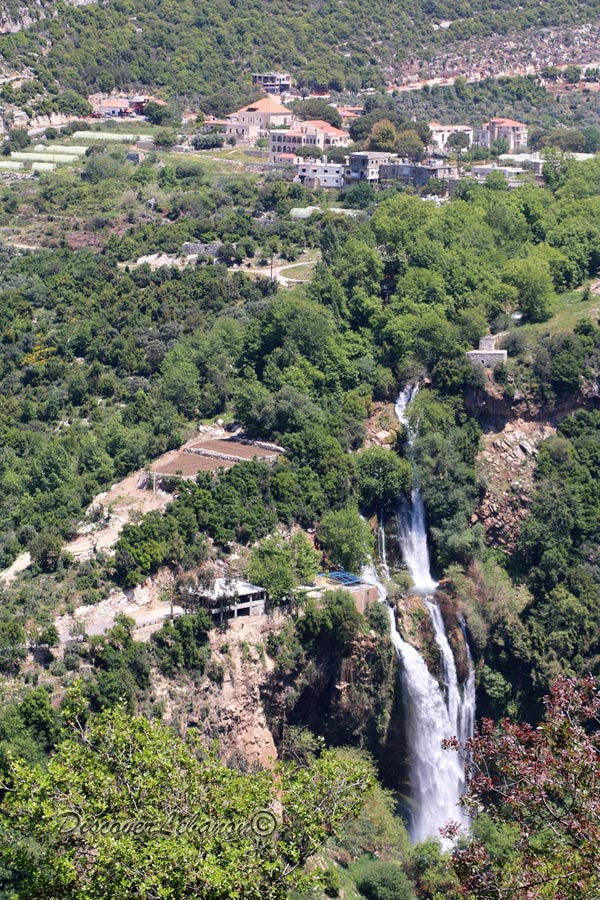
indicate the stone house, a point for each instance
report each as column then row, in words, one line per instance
column 487, row 355
column 313, row 133
column 514, row 133
column 441, row 133
column 257, row 119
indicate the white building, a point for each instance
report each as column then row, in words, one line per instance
column 535, row 160
column 229, row 598
column 514, row 175
column 113, row 107
column 313, row 133
column 320, row 174
column 441, row 133
column 272, row 82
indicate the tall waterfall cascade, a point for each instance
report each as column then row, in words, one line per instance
column 411, row 517
column 434, row 710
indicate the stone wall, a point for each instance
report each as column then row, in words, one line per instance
column 487, row 358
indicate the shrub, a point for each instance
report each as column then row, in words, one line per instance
column 385, row 881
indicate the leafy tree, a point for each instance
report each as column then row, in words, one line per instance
column 159, row 113
column 208, row 141
column 317, row 109
column 305, row 559
column 533, row 281
column 271, row 566
column 12, row 646
column 165, row 139
column 183, row 644
column 280, row 566
column 458, row 140
column 18, row 139
column 383, row 136
column 346, row 538
column 382, row 477
column 409, row 143
column 180, row 381
column 125, row 805
column 73, row 104
column 336, row 623
column 45, row 550
column 385, row 881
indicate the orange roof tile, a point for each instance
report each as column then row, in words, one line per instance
column 268, row 105
column 322, row 125
column 499, row 120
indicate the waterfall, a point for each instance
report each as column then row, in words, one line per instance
column 432, row 713
column 467, row 710
column 410, row 520
column 437, row 776
column 382, row 551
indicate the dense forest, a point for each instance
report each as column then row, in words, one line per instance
column 207, row 51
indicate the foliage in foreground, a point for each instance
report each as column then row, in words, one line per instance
column 126, row 809
column 546, row 782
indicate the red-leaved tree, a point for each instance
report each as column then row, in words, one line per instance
column 546, row 781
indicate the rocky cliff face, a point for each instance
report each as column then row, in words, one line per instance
column 225, row 704
column 493, row 409
column 16, row 15
column 506, row 465
column 344, row 696
column 513, row 431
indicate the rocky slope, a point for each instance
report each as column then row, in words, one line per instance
column 225, row 704
column 513, row 430
column 15, row 15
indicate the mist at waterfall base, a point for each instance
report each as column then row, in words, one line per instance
column 433, row 712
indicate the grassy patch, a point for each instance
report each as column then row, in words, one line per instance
column 571, row 308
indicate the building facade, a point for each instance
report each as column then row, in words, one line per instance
column 321, row 174
column 365, row 165
column 272, row 82
column 256, row 120
column 515, row 134
column 487, row 355
column 417, row 174
column 312, row 133
column 441, row 133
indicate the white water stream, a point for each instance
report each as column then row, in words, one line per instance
column 432, row 713
column 411, row 517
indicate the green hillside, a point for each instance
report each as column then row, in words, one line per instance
column 206, row 48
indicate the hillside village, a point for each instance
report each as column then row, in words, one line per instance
column 313, row 151
column 304, row 147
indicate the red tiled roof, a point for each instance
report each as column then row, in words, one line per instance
column 322, row 125
column 508, row 122
column 268, row 105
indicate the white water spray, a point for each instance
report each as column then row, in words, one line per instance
column 410, row 520
column 433, row 714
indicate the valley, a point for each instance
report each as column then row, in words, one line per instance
column 299, row 450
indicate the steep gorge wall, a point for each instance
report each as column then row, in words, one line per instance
column 513, row 430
